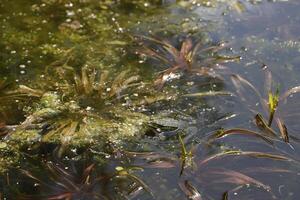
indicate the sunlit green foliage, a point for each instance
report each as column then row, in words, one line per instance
column 273, row 103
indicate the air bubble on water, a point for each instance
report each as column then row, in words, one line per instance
column 70, row 12
column 74, row 150
column 22, row 72
column 69, row 5
column 88, row 108
column 22, row 66
column 92, row 16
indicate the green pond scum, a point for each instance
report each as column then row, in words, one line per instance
column 157, row 99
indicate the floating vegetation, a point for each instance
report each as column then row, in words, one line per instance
column 86, row 111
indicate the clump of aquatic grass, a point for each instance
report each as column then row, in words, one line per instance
column 270, row 104
column 193, row 57
column 211, row 176
column 82, row 106
column 62, row 184
column 93, row 83
column 207, row 175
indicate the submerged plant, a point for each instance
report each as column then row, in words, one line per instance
column 86, row 106
column 127, row 173
column 269, row 104
column 191, row 57
column 61, row 184
column 191, row 192
column 82, row 107
column 186, row 157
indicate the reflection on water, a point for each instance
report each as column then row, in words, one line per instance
column 149, row 99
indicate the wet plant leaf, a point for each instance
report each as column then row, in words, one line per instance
column 224, row 133
column 183, row 59
column 273, row 104
column 190, row 191
column 283, row 130
column 126, row 172
column 163, row 163
column 186, row 157
column 225, row 196
column 238, row 178
column 262, row 125
column 245, row 153
column 209, row 93
column 289, row 92
column 240, row 83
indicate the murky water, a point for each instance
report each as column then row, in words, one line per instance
column 149, row 99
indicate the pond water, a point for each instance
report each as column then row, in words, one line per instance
column 149, row 99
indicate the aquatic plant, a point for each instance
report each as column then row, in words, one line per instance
column 83, row 107
column 122, row 172
column 60, row 183
column 8, row 96
column 208, row 175
column 269, row 104
column 191, row 192
column 193, row 57
column 86, row 106
column 186, row 157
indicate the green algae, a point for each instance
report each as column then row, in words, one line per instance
column 9, row 156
